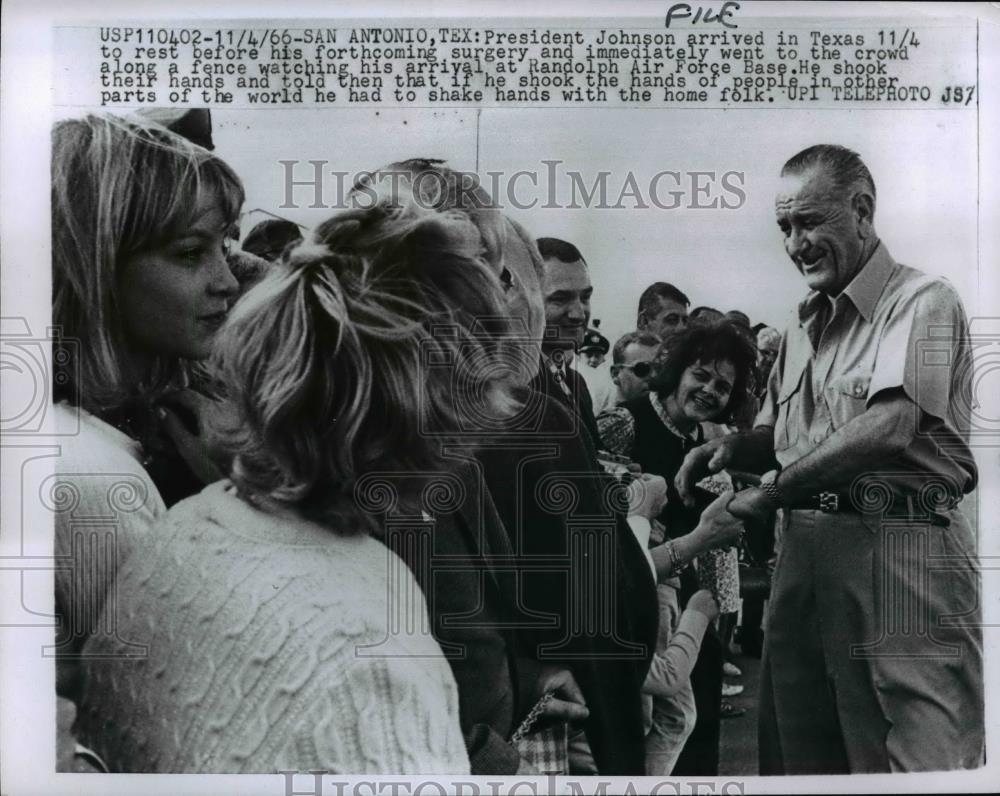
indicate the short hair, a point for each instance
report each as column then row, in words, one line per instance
column 627, row 339
column 119, row 187
column 704, row 316
column 350, row 356
column 561, row 250
column 769, row 335
column 845, row 167
column 271, row 237
column 719, row 342
column 738, row 317
column 697, row 312
column 660, row 291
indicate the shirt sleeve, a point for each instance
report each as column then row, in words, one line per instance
column 671, row 668
column 921, row 347
column 617, row 430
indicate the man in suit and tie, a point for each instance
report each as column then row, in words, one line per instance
column 566, row 290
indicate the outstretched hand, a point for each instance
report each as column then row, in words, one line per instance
column 751, row 504
column 704, row 460
column 704, row 602
column 718, row 526
column 647, row 496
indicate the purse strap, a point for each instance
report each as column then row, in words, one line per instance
column 532, row 718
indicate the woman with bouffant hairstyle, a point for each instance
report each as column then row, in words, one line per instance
column 703, row 381
column 328, row 369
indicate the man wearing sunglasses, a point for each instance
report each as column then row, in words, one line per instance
column 634, row 356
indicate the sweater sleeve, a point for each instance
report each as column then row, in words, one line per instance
column 103, row 503
column 671, row 668
column 386, row 713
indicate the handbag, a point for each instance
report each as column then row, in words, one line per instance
column 755, row 579
column 546, row 747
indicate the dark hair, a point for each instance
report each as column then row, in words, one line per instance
column 720, row 342
column 248, row 269
column 556, row 249
column 271, row 237
column 738, row 317
column 699, row 311
column 704, row 316
column 194, row 124
column 844, row 167
column 623, row 342
column 659, row 291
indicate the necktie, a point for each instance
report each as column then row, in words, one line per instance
column 560, row 377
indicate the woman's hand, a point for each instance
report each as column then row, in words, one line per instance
column 182, row 416
column 701, row 461
column 752, row 504
column 717, row 526
column 704, row 603
column 647, row 496
column 568, row 703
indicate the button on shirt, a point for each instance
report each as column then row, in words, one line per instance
column 891, row 327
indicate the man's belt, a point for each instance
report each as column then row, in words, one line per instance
column 901, row 507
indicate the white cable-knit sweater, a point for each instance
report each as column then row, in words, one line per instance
column 273, row 644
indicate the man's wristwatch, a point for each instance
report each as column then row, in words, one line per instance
column 769, row 486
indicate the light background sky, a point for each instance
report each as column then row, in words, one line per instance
column 924, row 164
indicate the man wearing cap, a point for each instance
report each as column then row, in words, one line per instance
column 592, row 352
column 595, row 348
column 873, row 648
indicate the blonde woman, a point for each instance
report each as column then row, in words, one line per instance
column 265, row 601
column 140, row 220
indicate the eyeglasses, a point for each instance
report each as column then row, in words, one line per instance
column 641, row 369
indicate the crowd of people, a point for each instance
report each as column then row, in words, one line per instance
column 388, row 509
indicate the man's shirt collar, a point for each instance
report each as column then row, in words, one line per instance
column 863, row 291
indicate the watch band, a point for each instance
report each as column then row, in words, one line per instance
column 769, row 486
